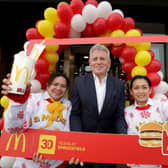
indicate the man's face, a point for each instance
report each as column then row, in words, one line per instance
column 99, row 62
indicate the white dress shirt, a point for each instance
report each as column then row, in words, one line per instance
column 100, row 91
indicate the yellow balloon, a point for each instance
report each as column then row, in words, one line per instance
column 117, row 33
column 142, row 58
column 4, row 101
column 51, row 15
column 132, row 33
column 52, row 58
column 46, row 28
column 52, row 48
column 105, row 35
column 52, row 68
column 143, row 46
column 138, row 70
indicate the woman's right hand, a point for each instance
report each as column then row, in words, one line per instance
column 6, row 85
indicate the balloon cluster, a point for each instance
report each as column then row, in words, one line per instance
column 92, row 19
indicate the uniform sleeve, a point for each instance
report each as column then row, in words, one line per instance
column 131, row 128
column 18, row 116
column 164, row 109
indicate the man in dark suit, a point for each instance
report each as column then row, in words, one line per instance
column 98, row 99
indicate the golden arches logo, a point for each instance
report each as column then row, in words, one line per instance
column 17, row 138
column 19, row 70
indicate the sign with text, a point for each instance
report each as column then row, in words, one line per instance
column 88, row 147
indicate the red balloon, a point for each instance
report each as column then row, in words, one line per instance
column 116, row 50
column 1, row 123
column 100, row 26
column 128, row 66
column 61, row 30
column 128, row 53
column 154, row 78
column 89, row 32
column 59, row 51
column 128, row 24
column 166, row 94
column 129, row 76
column 92, row 2
column 43, row 79
column 36, row 25
column 64, row 12
column 115, row 21
column 32, row 34
column 63, row 46
column 154, row 66
column 152, row 54
column 77, row 6
column 41, row 65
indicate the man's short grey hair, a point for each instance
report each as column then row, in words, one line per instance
column 99, row 47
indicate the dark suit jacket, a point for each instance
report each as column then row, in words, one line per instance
column 84, row 114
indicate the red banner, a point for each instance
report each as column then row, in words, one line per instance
column 88, row 147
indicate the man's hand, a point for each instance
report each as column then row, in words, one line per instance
column 75, row 161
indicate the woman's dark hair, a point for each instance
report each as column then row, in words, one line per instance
column 57, row 74
column 140, row 77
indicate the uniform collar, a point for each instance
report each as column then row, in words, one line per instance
column 145, row 107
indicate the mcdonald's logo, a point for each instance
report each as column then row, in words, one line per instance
column 19, row 70
column 17, row 138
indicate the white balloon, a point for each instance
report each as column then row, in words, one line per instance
column 77, row 23
column 160, row 73
column 118, row 11
column 74, row 34
column 104, row 9
column 36, row 86
column 7, row 162
column 89, row 13
column 159, row 96
column 161, row 88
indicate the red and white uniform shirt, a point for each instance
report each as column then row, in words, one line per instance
column 34, row 114
column 155, row 110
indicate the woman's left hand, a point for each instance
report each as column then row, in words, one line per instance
column 38, row 158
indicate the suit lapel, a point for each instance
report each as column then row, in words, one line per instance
column 92, row 91
column 110, row 92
